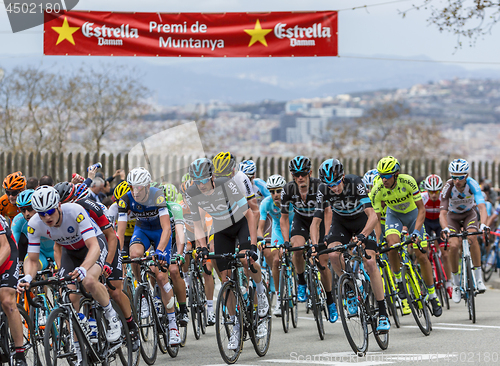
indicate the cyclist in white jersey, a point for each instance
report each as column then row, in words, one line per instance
column 79, row 248
column 259, row 186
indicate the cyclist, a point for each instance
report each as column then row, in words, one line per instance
column 233, row 220
column 13, row 184
column 20, row 230
column 369, row 179
column 224, row 166
column 343, row 200
column 191, row 244
column 271, row 205
column 177, row 229
column 152, row 227
column 301, row 194
column 433, row 185
column 80, row 248
column 460, row 199
column 405, row 208
column 118, row 193
column 259, row 186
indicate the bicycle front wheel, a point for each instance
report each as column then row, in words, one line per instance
column 30, row 348
column 416, row 301
column 471, row 292
column 261, row 334
column 390, row 295
column 284, row 299
column 373, row 312
column 315, row 300
column 491, row 263
column 441, row 282
column 59, row 341
column 229, row 323
column 194, row 306
column 292, row 288
column 352, row 315
column 148, row 329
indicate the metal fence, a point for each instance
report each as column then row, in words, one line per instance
column 171, row 168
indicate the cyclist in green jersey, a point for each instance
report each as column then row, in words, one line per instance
column 405, row 207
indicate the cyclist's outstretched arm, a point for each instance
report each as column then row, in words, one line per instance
column 371, row 222
column 314, row 229
column 285, row 226
column 419, row 223
column 252, row 226
column 166, row 231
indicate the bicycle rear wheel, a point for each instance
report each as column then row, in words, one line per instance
column 30, row 348
column 229, row 302
column 148, row 329
column 284, row 299
column 441, row 282
column 315, row 300
column 417, row 303
column 471, row 292
column 292, row 288
column 490, row 264
column 261, row 327
column 352, row 315
column 194, row 307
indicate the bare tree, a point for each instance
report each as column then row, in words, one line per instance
column 465, row 18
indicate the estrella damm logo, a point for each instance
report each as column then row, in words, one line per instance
column 160, row 200
column 122, row 204
column 80, row 218
column 30, row 230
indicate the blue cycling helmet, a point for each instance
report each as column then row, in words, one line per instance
column 248, row 167
column 300, row 164
column 369, row 177
column 201, row 169
column 24, row 198
column 330, row 171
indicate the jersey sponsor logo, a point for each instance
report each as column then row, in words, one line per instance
column 30, row 230
column 345, row 206
column 361, row 189
column 80, row 218
column 213, row 208
column 247, row 187
column 409, row 182
column 234, row 189
column 122, row 204
column 71, row 229
column 160, row 200
column 319, row 197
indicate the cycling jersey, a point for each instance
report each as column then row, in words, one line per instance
column 226, row 204
column 352, row 202
column 268, row 207
column 291, row 194
column 7, row 209
column 431, row 207
column 400, row 199
column 176, row 217
column 76, row 227
column 244, row 184
column 147, row 213
column 459, row 202
column 9, row 269
column 113, row 215
column 259, row 187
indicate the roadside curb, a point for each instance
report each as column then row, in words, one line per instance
column 495, row 283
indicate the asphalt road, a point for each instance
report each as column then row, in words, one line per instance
column 454, row 340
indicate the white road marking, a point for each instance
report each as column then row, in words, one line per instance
column 445, row 328
column 471, row 325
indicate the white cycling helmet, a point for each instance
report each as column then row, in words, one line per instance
column 369, row 177
column 459, row 166
column 248, row 167
column 433, row 183
column 44, row 198
column 139, row 177
column 275, row 181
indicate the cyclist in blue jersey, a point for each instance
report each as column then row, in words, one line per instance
column 271, row 206
column 152, row 226
column 20, row 230
column 259, row 186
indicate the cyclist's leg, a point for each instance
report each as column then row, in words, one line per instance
column 471, row 223
column 139, row 243
column 393, row 228
column 299, row 234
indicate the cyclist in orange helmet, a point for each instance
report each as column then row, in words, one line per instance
column 13, row 184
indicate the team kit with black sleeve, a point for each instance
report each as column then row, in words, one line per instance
column 227, row 206
column 348, row 208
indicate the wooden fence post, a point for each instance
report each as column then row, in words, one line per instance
column 53, row 166
column 30, row 165
column 38, row 165
column 86, row 163
column 473, row 170
column 104, row 163
column 46, row 164
column 271, row 166
column 350, row 166
column 9, row 164
column 480, row 174
column 78, row 163
column 111, row 165
column 174, row 168
column 126, row 164
column 60, row 169
column 24, row 168
column 258, row 166
column 15, row 168
column 493, row 174
column 265, row 166
column 358, row 167
column 2, row 165
column 69, row 165
column 486, row 170
column 365, row 166
column 118, row 163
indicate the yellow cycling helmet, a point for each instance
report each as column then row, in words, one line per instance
column 121, row 189
column 388, row 165
column 224, row 164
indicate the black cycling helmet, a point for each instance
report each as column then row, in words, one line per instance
column 300, row 164
column 66, row 191
column 201, row 169
column 331, row 171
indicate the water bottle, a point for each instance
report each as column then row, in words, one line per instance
column 42, row 319
column 93, row 330
column 84, row 323
column 98, row 165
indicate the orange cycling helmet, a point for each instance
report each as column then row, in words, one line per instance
column 15, row 181
column 185, row 185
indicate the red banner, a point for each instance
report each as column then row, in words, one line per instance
column 277, row 34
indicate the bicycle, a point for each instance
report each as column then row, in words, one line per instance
column 197, row 298
column 467, row 280
column 390, row 289
column 439, row 274
column 231, row 300
column 356, row 301
column 491, row 261
column 414, row 287
column 66, row 328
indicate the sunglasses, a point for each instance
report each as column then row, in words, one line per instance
column 47, row 213
column 458, row 177
column 201, row 181
column 276, row 190
column 26, row 208
column 386, row 176
column 300, row 174
column 434, row 192
column 334, row 184
column 12, row 193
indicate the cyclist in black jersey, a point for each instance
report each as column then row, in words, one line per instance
column 232, row 220
column 301, row 193
column 343, row 200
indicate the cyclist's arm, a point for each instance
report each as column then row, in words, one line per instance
column 252, row 226
column 179, row 238
column 4, row 248
column 252, row 204
column 31, row 264
column 120, row 230
column 94, row 251
column 371, row 222
column 484, row 214
column 328, row 219
column 112, row 243
column 199, row 234
column 57, row 254
column 260, row 229
column 378, row 229
column 285, row 226
column 492, row 219
column 314, row 229
column 421, row 215
column 166, row 231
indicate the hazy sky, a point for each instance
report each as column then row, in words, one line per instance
column 363, row 32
